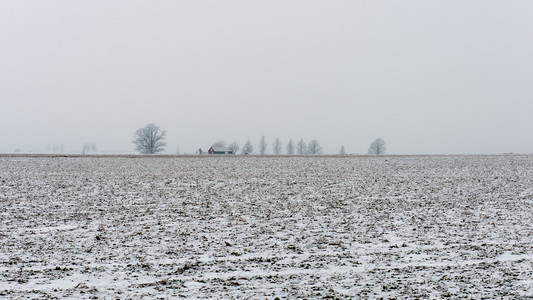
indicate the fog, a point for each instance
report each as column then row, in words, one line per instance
column 429, row 77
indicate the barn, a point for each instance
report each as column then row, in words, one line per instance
column 220, row 150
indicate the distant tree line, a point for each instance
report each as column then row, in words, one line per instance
column 151, row 140
column 89, row 147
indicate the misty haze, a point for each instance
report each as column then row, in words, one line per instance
column 428, row 78
column 266, row 149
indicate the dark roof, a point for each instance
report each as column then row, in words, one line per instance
column 222, row 149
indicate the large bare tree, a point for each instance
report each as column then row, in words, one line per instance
column 301, row 147
column 276, row 147
column 314, row 148
column 150, row 139
column 263, row 145
column 378, row 146
column 290, row 147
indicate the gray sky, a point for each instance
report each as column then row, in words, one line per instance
column 426, row 76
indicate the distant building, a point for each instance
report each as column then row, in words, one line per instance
column 220, row 150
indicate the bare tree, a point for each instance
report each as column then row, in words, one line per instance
column 290, row 147
column 248, row 148
column 342, row 151
column 234, row 147
column 301, row 147
column 219, row 143
column 314, row 148
column 150, row 139
column 88, row 147
column 378, row 146
column 57, row 148
column 276, row 147
column 263, row 145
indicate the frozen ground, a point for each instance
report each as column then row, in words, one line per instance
column 266, row 227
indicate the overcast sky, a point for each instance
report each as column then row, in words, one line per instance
column 433, row 77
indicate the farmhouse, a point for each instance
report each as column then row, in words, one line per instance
column 220, row 150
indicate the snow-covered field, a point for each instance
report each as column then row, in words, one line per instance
column 266, row 227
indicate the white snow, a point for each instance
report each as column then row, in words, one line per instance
column 266, row 227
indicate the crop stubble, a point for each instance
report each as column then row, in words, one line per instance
column 233, row 227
